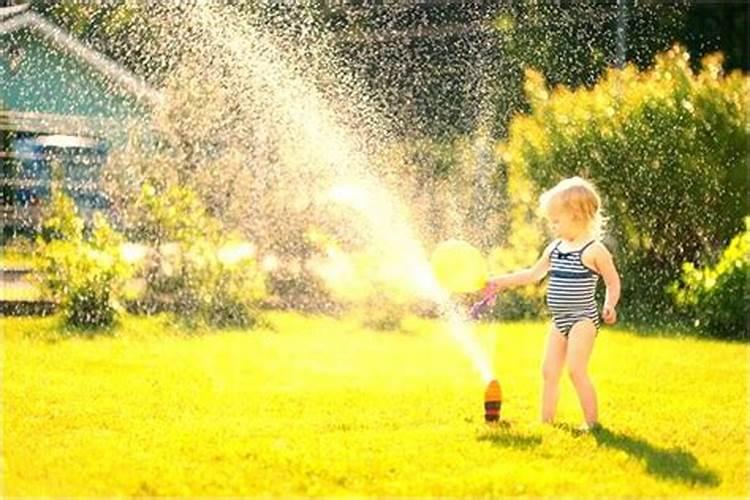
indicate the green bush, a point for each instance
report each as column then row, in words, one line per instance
column 84, row 274
column 171, row 214
column 192, row 269
column 62, row 221
column 667, row 149
column 716, row 298
column 225, row 283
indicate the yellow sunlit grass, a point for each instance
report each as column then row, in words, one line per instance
column 313, row 405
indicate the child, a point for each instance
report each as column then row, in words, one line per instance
column 574, row 263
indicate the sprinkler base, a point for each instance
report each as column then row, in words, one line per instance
column 492, row 402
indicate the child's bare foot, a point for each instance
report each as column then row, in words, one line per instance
column 590, row 426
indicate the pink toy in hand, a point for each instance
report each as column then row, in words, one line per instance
column 489, row 294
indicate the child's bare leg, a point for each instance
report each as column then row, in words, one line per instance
column 554, row 361
column 580, row 343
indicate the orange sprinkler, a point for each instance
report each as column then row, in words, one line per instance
column 493, row 400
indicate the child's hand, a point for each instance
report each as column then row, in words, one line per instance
column 609, row 314
column 481, row 305
column 489, row 295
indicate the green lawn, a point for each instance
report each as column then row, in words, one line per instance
column 312, row 406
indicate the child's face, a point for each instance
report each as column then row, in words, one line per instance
column 562, row 223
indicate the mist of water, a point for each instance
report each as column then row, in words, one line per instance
column 325, row 154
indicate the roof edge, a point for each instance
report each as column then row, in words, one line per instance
column 136, row 85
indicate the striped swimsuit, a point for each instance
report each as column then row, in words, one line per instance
column 571, row 288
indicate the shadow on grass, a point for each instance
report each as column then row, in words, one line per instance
column 501, row 435
column 672, row 464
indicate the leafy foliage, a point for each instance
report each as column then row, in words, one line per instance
column 716, row 296
column 191, row 269
column 83, row 273
column 171, row 214
column 666, row 147
column 62, row 222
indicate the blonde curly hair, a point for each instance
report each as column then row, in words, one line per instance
column 578, row 197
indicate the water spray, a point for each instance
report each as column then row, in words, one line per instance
column 317, row 139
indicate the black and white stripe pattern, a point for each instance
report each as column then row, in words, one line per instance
column 571, row 289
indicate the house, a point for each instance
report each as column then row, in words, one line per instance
column 62, row 106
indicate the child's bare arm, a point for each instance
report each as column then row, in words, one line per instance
column 524, row 276
column 604, row 263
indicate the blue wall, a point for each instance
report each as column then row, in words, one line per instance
column 49, row 80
